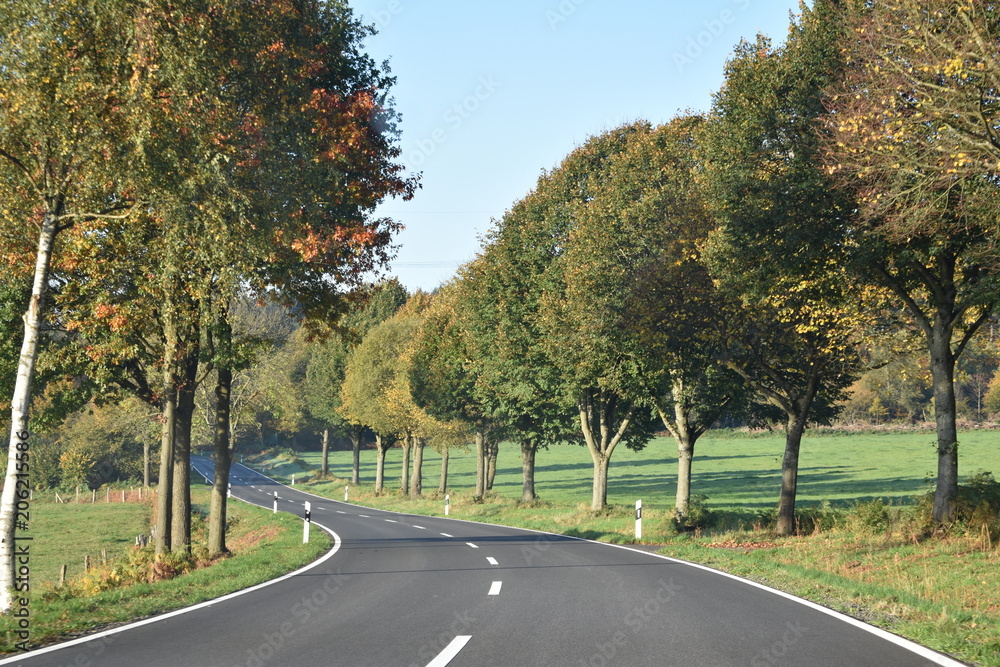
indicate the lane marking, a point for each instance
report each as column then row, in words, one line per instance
column 492, row 560
column 341, row 512
column 420, row 527
column 472, row 545
column 495, row 588
column 450, row 651
column 390, row 520
column 447, row 535
column 365, row 516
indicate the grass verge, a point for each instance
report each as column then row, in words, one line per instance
column 263, row 547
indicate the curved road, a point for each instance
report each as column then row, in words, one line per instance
column 404, row 590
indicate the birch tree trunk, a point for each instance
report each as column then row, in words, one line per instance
column 18, row 449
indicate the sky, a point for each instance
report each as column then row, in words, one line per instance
column 492, row 92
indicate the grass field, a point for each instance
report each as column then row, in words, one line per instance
column 67, row 533
column 733, row 472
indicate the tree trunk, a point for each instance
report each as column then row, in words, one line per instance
column 790, row 473
column 180, row 519
column 685, row 435
column 404, row 481
column 599, row 497
column 223, row 462
column 379, row 464
column 417, row 481
column 528, row 450
column 491, row 470
column 481, row 455
column 443, row 487
column 165, row 482
column 943, row 380
column 146, row 447
column 356, row 449
column 598, row 413
column 164, row 498
column 324, row 469
column 18, row 449
column 685, row 455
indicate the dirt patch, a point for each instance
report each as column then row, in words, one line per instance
column 248, row 541
column 742, row 546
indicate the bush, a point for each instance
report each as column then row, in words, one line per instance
column 698, row 517
column 872, row 516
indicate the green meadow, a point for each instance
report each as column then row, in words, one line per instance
column 735, row 471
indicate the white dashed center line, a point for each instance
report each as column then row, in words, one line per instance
column 472, row 545
column 365, row 516
column 390, row 520
column 447, row 535
column 450, row 651
column 420, row 527
column 495, row 588
column 492, row 560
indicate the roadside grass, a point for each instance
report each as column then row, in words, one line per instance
column 941, row 591
column 263, row 547
column 65, row 534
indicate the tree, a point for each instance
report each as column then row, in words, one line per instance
column 914, row 133
column 442, row 376
column 374, row 392
column 779, row 253
column 65, row 98
column 327, row 365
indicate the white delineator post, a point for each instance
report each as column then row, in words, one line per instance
column 447, row 503
column 293, row 479
column 305, row 527
column 229, row 490
column 638, row 519
column 275, row 502
column 347, row 490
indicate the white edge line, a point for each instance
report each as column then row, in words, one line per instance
column 177, row 612
column 450, row 651
column 495, row 588
column 914, row 647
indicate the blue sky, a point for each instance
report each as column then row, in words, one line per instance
column 493, row 91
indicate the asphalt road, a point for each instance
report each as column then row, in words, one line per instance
column 405, row 590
